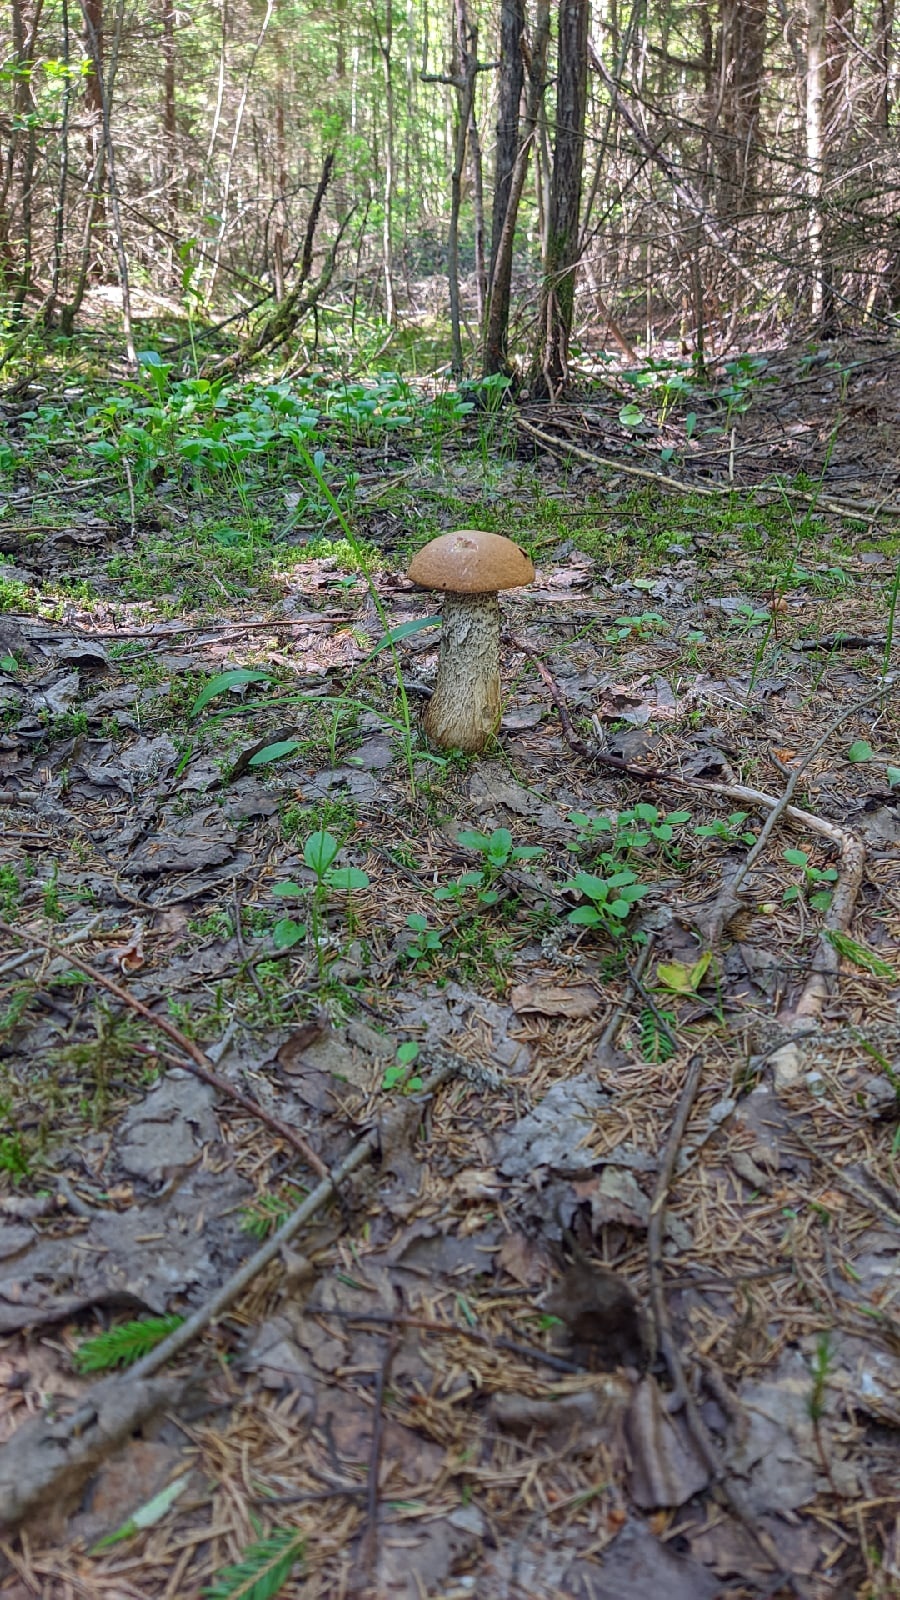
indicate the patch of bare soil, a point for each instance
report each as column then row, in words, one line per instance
column 521, row 1256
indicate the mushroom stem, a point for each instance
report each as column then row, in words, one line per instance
column 464, row 710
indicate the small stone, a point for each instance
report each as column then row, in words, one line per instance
column 786, row 1066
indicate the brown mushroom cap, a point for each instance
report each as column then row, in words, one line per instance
column 470, row 562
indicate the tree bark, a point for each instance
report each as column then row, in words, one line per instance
column 494, row 357
column 815, row 152
column 551, row 362
column 170, row 124
column 21, row 155
column 466, row 63
column 741, row 50
column 385, row 45
column 509, row 100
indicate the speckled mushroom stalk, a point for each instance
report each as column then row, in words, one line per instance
column 464, row 710
column 468, row 567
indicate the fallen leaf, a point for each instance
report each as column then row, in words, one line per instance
column 666, row 1469
column 550, row 1000
column 522, row 1259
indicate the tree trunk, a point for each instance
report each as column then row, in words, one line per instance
column 884, row 28
column 466, row 65
column 815, row 152
column 741, row 49
column 170, row 124
column 59, row 213
column 279, row 220
column 476, row 169
column 509, row 99
column 551, row 362
column 385, row 45
column 21, row 154
column 110, row 160
column 497, row 313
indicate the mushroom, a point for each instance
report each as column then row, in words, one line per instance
column 469, row 568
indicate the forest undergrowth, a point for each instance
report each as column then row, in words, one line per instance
column 499, row 1155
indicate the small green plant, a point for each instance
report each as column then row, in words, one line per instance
column 657, row 1041
column 813, row 879
column 263, row 1570
column 124, row 1345
column 611, row 900
column 648, row 622
column 50, row 896
column 14, row 1158
column 427, row 942
column 747, row 617
column 319, row 854
column 627, row 832
column 497, row 852
column 10, row 892
column 397, row 1075
column 265, row 1215
column 731, row 831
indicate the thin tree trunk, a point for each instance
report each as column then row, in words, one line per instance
column 170, row 124
column 742, row 39
column 497, row 315
column 551, row 360
column 385, row 45
column 279, row 230
column 815, row 151
column 119, row 236
column 19, row 263
column 92, row 13
column 512, row 81
column 476, row 164
column 59, row 214
column 466, row 63
column 236, row 134
column 884, row 29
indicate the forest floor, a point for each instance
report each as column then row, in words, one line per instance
column 607, row 1301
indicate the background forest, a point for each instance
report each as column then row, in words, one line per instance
column 712, row 167
column 475, row 1137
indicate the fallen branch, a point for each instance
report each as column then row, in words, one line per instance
column 363, row 1574
column 196, row 1060
column 665, row 1338
column 728, row 900
column 54, row 1451
column 48, row 1461
column 616, row 464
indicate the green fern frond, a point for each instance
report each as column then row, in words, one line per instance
column 656, row 1045
column 859, row 954
column 264, row 1215
column 122, row 1346
column 265, row 1568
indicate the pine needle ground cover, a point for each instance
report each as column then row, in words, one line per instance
column 610, row 1014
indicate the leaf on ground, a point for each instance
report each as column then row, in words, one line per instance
column 665, row 1466
column 552, row 1000
column 235, row 678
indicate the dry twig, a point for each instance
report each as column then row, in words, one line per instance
column 662, row 1326
column 196, row 1060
